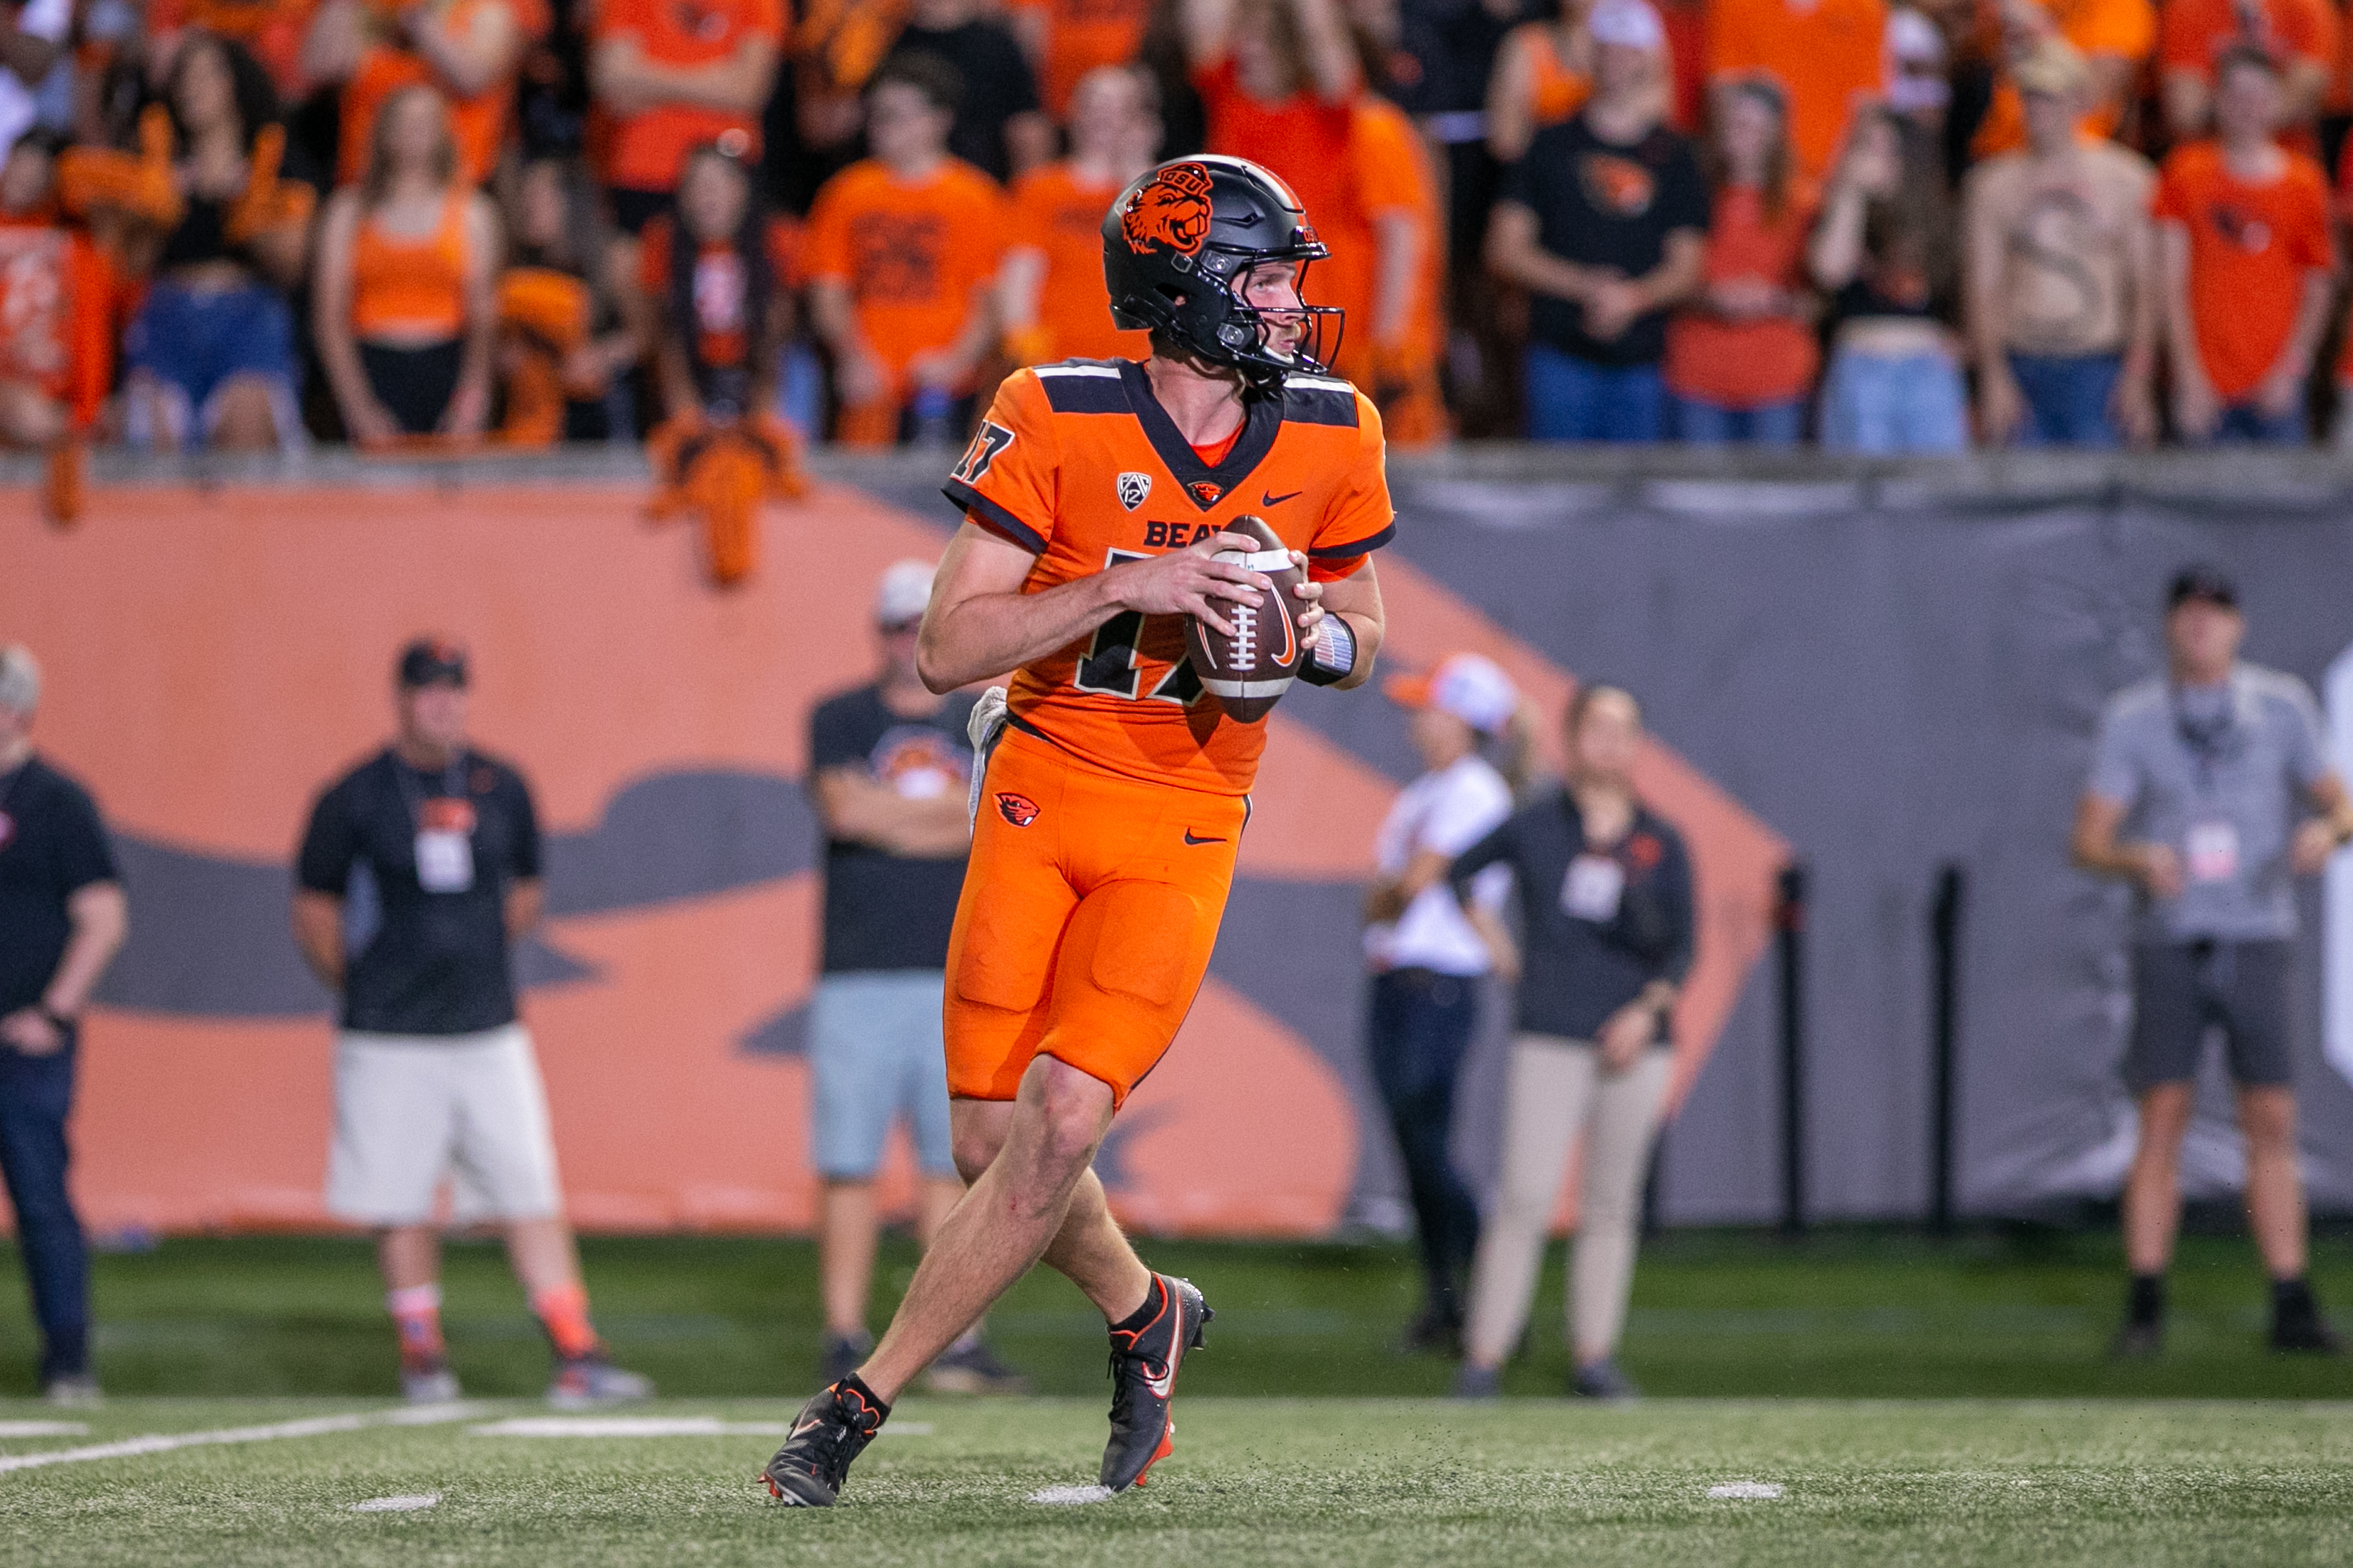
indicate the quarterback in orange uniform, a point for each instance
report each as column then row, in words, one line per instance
column 1113, row 790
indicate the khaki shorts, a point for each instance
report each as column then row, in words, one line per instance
column 411, row 1110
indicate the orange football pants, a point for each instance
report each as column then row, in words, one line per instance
column 1089, row 906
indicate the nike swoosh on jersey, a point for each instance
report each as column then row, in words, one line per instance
column 1268, row 498
column 1190, row 839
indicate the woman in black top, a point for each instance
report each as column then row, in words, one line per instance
column 212, row 352
column 1605, row 895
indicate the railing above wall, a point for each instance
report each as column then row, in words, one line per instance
column 1666, row 478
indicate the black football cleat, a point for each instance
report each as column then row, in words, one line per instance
column 1143, row 1380
column 831, row 1430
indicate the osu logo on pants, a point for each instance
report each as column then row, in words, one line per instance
column 1017, row 809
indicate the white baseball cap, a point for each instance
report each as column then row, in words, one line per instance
column 904, row 592
column 1473, row 688
column 1630, row 24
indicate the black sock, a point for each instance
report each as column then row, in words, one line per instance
column 2292, row 1300
column 1136, row 1322
column 855, row 1385
column 2145, row 1304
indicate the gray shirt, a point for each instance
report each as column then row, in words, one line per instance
column 2218, row 772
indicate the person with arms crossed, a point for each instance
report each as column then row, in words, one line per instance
column 1427, row 960
column 62, row 920
column 1114, row 788
column 2211, row 792
column 1605, row 894
column 434, row 1073
column 890, row 769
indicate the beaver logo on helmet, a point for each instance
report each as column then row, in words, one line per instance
column 1169, row 212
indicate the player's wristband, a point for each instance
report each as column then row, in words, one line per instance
column 1334, row 658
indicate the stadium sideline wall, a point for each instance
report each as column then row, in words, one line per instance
column 1877, row 669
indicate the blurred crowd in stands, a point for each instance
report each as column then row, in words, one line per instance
column 1883, row 228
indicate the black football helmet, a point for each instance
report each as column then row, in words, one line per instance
column 1179, row 246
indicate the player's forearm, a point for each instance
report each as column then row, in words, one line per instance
column 989, row 633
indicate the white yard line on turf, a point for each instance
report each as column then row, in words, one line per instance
column 412, row 1502
column 43, row 1429
column 1747, row 1492
column 313, row 1426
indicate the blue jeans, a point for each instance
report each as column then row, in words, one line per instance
column 1909, row 402
column 195, row 340
column 2248, row 422
column 1421, row 1024
column 1572, row 399
column 1701, row 423
column 2067, row 398
column 36, row 1092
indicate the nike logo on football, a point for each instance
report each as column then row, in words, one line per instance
column 1190, row 839
column 1268, row 498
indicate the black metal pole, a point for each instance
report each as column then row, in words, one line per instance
column 1789, row 918
column 1944, row 947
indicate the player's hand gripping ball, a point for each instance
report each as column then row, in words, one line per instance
column 1249, row 670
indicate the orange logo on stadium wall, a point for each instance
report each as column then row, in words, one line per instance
column 1017, row 809
column 1169, row 212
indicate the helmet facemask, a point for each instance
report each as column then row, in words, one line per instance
column 1248, row 335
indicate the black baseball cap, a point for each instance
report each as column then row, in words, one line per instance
column 432, row 662
column 2201, row 582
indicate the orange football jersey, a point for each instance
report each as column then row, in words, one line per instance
column 1079, row 464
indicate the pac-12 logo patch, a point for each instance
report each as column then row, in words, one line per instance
column 1133, row 489
column 1017, row 809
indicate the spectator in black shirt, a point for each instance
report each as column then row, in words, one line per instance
column 1605, row 898
column 419, row 869
column 1604, row 223
column 1000, row 126
column 62, row 920
column 891, row 766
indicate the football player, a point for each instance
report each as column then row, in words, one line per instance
column 1113, row 790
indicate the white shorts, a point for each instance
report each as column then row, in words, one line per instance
column 413, row 1109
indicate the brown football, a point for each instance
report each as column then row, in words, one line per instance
column 1250, row 669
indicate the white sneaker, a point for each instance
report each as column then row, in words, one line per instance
column 74, row 1390
column 429, row 1386
column 591, row 1381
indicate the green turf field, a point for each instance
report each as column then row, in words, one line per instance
column 1951, row 1407
column 1852, row 1314
column 1361, row 1483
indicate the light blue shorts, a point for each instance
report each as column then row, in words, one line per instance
column 876, row 1050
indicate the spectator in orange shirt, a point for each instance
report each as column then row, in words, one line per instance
column 1067, row 39
column 403, row 301
column 1050, row 293
column 1741, row 358
column 1826, row 56
column 2243, row 234
column 1389, row 259
column 1276, row 79
column 2194, row 34
column 671, row 75
column 58, row 296
column 2114, row 39
column 468, row 49
column 902, row 256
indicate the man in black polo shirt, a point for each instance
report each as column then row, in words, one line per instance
column 419, row 869
column 1604, row 223
column 62, row 918
column 891, row 766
